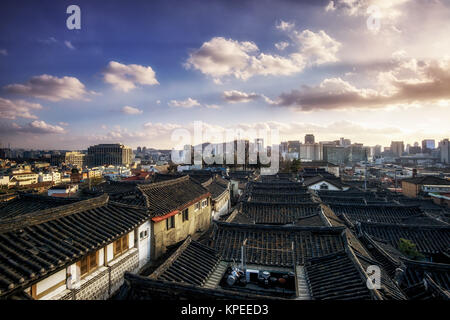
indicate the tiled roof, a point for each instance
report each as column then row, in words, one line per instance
column 143, row 288
column 176, row 194
column 267, row 213
column 394, row 214
column 216, row 186
column 33, row 246
column 416, row 270
column 336, row 277
column 27, row 203
column 427, row 180
column 280, row 198
column 429, row 239
column 272, row 245
column 191, row 263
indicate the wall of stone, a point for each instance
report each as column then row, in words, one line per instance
column 101, row 284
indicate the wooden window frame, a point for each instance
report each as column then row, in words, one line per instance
column 199, row 206
column 90, row 268
column 124, row 246
column 185, row 214
column 170, row 223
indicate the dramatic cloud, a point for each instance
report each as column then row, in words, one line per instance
column 410, row 82
column 50, row 88
column 235, row 96
column 188, row 103
column 69, row 45
column 131, row 110
column 127, row 77
column 17, row 109
column 37, row 126
column 34, row 127
column 222, row 57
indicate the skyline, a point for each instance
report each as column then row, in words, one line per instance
column 134, row 73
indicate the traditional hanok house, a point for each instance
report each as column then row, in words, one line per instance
column 322, row 183
column 179, row 208
column 419, row 280
column 79, row 250
column 177, row 205
column 305, row 214
column 238, row 180
column 383, row 213
column 220, row 196
column 299, row 263
column 432, row 241
column 24, row 203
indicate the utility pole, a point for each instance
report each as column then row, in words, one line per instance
column 243, row 256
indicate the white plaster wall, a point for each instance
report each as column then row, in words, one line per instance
column 317, row 186
column 49, row 282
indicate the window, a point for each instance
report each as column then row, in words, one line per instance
column 120, row 245
column 323, row 186
column 143, row 234
column 88, row 263
column 185, row 214
column 204, row 203
column 170, row 222
column 197, row 206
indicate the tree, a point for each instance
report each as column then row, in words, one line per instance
column 409, row 249
column 295, row 165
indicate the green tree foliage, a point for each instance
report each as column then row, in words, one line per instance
column 409, row 249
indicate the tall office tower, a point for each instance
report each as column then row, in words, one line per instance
column 427, row 145
column 309, row 138
column 445, row 151
column 397, row 148
column 109, row 154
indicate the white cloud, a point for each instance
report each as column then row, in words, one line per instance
column 39, row 126
column 281, row 45
column 10, row 109
column 317, row 47
column 131, row 110
column 187, row 103
column 127, row 77
column 3, row 52
column 65, row 124
column 285, row 25
column 220, row 57
column 50, row 88
column 409, row 82
column 69, row 45
column 330, row 6
column 34, row 127
column 235, row 96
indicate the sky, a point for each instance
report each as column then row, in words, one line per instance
column 135, row 72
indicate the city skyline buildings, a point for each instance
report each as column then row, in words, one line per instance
column 134, row 73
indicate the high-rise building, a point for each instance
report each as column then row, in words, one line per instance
column 75, row 159
column 344, row 142
column 335, row 154
column 445, row 151
column 109, row 154
column 310, row 151
column 397, row 148
column 427, row 145
column 294, row 146
column 309, row 138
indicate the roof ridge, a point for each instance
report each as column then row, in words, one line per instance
column 41, row 216
column 163, row 183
